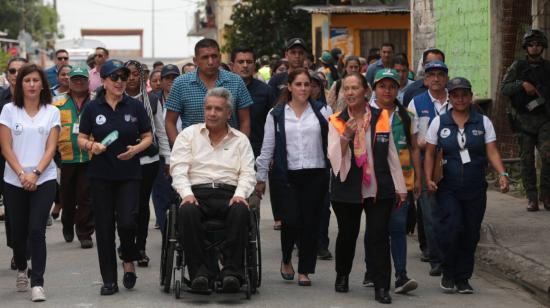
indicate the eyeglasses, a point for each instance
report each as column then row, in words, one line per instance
column 115, row 77
column 62, row 58
column 13, row 71
column 534, row 44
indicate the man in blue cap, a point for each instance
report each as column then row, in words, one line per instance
column 425, row 107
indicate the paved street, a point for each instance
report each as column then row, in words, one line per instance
column 72, row 280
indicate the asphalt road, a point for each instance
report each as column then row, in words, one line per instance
column 72, row 279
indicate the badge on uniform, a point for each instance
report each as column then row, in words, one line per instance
column 100, row 119
column 127, row 117
column 465, row 156
column 76, row 128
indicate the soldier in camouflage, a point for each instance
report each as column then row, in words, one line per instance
column 527, row 83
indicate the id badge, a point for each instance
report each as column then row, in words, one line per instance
column 76, row 128
column 465, row 156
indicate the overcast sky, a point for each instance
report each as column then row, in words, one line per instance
column 173, row 20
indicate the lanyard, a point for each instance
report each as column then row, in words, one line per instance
column 462, row 142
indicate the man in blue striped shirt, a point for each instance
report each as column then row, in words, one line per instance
column 186, row 99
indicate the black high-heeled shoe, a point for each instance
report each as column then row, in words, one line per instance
column 108, row 289
column 129, row 279
column 143, row 259
column 382, row 296
column 341, row 284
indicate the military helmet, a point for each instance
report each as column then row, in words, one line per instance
column 534, row 35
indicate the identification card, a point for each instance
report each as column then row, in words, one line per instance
column 76, row 128
column 465, row 156
column 112, row 137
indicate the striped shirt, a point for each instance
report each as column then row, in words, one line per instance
column 188, row 92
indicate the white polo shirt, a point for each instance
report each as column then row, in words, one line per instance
column 29, row 136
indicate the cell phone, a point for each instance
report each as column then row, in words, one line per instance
column 112, row 137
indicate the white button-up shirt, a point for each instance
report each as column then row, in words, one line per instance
column 195, row 161
column 304, row 145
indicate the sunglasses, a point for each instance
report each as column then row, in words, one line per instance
column 116, row 77
column 62, row 58
column 12, row 71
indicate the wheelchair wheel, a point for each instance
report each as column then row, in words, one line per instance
column 258, row 253
column 171, row 240
column 249, row 283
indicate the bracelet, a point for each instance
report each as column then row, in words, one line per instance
column 22, row 172
column 504, row 174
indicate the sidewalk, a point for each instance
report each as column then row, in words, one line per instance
column 515, row 243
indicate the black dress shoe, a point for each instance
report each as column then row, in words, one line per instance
column 382, row 296
column 68, row 236
column 342, row 283
column 109, row 289
column 200, row 284
column 129, row 280
column 533, row 205
column 86, row 244
column 231, row 284
column 143, row 259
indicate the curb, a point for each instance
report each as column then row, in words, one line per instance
column 495, row 257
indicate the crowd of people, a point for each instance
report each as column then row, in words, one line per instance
column 352, row 134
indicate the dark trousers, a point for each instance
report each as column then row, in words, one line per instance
column 115, row 202
column 378, row 241
column 214, row 204
column 76, row 201
column 148, row 174
column 276, row 192
column 457, row 221
column 324, row 240
column 302, row 216
column 162, row 195
column 348, row 216
column 527, row 144
column 29, row 212
column 422, row 242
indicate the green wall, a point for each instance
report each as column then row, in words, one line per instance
column 462, row 32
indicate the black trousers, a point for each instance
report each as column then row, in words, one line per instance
column 276, row 192
column 115, row 201
column 76, row 201
column 302, row 216
column 148, row 173
column 29, row 212
column 378, row 241
column 348, row 216
column 213, row 204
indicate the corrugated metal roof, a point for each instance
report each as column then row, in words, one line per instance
column 353, row 9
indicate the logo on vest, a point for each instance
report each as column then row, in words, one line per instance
column 18, row 129
column 445, row 133
column 477, row 132
column 127, row 117
column 100, row 119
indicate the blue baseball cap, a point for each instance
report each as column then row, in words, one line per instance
column 435, row 65
column 112, row 66
column 169, row 69
column 459, row 83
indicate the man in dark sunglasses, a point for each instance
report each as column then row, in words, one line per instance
column 526, row 83
column 61, row 58
column 101, row 56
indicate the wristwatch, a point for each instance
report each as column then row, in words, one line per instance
column 504, row 174
column 37, row 172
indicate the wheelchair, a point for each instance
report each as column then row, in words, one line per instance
column 172, row 266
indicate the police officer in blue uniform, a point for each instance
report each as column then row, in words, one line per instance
column 115, row 171
column 468, row 141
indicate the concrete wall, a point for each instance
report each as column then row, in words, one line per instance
column 463, row 32
column 422, row 28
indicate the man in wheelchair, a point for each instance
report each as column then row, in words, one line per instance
column 212, row 167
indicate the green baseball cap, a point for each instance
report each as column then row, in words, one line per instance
column 387, row 73
column 78, row 71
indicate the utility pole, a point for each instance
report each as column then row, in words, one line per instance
column 153, row 28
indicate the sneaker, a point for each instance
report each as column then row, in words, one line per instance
column 49, row 222
column 22, row 281
column 367, row 281
column 38, row 294
column 86, row 244
column 324, row 254
column 464, row 287
column 436, row 270
column 447, row 285
column 404, row 284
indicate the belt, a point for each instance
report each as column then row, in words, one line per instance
column 215, row 186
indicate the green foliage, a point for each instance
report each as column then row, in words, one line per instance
column 4, row 57
column 264, row 25
column 37, row 19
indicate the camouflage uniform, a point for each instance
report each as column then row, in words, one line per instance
column 532, row 126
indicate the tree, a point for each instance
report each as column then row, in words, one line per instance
column 264, row 25
column 31, row 15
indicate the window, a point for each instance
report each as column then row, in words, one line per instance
column 375, row 39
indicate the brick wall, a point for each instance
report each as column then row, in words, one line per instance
column 422, row 27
